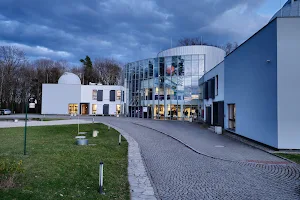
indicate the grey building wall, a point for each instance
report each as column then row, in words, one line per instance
column 288, row 82
column 251, row 84
column 56, row 98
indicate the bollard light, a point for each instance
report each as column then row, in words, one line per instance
column 101, row 177
column 108, row 127
column 93, row 119
column 120, row 136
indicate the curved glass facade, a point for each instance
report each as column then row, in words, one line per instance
column 164, row 87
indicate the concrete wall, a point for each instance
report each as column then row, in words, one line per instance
column 86, row 97
column 288, row 83
column 251, row 84
column 218, row 70
column 56, row 98
column 213, row 55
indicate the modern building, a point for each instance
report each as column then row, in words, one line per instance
column 258, row 84
column 212, row 96
column 262, row 85
column 166, row 87
column 69, row 97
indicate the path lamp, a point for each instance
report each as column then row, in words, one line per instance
column 120, row 136
column 101, row 177
column 31, row 104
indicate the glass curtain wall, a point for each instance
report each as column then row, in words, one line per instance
column 165, row 88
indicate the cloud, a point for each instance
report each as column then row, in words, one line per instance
column 238, row 22
column 127, row 30
column 39, row 51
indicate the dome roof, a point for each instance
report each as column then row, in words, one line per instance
column 290, row 9
column 69, row 78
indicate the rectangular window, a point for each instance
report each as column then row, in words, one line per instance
column 123, row 96
column 217, row 85
column 73, row 108
column 94, row 95
column 100, row 95
column 231, row 116
column 119, row 94
column 94, row 109
column 112, row 95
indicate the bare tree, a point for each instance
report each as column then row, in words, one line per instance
column 108, row 71
column 230, row 47
column 11, row 58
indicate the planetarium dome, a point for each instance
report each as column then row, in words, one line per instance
column 290, row 9
column 69, row 78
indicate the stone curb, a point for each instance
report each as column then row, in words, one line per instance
column 140, row 184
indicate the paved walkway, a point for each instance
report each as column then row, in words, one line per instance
column 177, row 172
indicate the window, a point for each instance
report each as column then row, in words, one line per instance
column 231, row 116
column 100, row 95
column 94, row 95
column 118, row 109
column 73, row 108
column 123, row 96
column 94, row 109
column 119, row 94
column 217, row 85
column 112, row 95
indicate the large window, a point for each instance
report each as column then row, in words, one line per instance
column 119, row 94
column 231, row 116
column 94, row 95
column 112, row 95
column 73, row 108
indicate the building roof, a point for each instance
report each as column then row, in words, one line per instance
column 290, row 9
column 69, row 78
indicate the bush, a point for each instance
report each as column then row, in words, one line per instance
column 8, row 172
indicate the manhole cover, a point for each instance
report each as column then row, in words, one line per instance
column 219, row 146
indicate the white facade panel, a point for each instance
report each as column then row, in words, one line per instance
column 57, row 97
column 213, row 55
column 288, row 70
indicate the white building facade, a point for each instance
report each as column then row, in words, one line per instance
column 69, row 97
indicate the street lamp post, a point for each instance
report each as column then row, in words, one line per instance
column 25, row 128
column 31, row 102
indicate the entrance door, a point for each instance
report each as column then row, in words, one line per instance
column 208, row 115
column 84, row 108
column 106, row 109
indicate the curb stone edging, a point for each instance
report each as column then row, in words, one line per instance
column 140, row 184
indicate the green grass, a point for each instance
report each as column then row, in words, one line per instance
column 293, row 157
column 55, row 166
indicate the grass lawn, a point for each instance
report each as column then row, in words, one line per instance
column 293, row 157
column 56, row 168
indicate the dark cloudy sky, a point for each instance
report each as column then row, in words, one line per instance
column 126, row 30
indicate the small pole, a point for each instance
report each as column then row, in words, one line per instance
column 101, row 177
column 120, row 136
column 78, row 124
column 25, row 129
column 93, row 120
column 108, row 127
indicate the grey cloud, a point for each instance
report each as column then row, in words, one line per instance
column 125, row 29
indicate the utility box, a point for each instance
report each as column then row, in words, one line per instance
column 218, row 130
